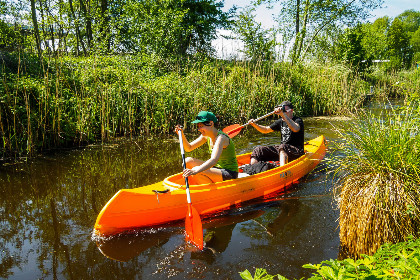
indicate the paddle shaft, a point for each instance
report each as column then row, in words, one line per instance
column 260, row 118
column 242, row 126
column 187, row 185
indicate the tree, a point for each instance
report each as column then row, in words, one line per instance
column 398, row 42
column 199, row 25
column 352, row 51
column 36, row 29
column 375, row 40
column 411, row 22
column 415, row 42
column 259, row 43
column 172, row 27
column 304, row 21
column 152, row 26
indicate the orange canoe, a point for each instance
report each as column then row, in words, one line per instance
column 143, row 207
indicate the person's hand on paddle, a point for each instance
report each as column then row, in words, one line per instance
column 251, row 122
column 188, row 172
column 278, row 111
column 179, row 127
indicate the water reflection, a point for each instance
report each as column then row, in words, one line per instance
column 125, row 247
column 218, row 232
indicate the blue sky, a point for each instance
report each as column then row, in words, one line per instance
column 225, row 48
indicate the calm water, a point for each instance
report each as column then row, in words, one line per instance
column 48, row 208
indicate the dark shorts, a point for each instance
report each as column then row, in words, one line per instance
column 272, row 153
column 228, row 174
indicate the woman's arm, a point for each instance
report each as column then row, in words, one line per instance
column 188, row 147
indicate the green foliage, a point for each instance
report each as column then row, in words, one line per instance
column 303, row 21
column 394, row 43
column 415, row 42
column 164, row 27
column 258, row 43
column 73, row 101
column 398, row 42
column 399, row 261
column 374, row 41
column 260, row 274
column 411, row 20
column 9, row 37
column 171, row 27
column 352, row 51
column 388, row 143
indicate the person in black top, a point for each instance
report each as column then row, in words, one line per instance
column 292, row 137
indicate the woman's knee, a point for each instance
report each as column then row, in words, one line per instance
column 190, row 162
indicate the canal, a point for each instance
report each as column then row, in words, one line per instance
column 49, row 206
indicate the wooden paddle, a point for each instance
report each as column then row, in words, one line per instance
column 193, row 225
column 234, row 129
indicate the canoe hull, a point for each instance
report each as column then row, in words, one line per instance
column 142, row 207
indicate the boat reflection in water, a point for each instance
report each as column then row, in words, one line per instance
column 125, row 247
column 217, row 231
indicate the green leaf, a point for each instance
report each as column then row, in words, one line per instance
column 246, row 275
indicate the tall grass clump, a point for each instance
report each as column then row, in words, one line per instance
column 378, row 160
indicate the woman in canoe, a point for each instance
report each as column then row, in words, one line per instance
column 222, row 164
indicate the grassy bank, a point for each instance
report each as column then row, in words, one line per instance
column 391, row 261
column 70, row 101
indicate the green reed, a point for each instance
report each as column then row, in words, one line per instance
column 71, row 101
column 378, row 162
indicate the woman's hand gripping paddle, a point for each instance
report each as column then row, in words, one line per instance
column 193, row 226
column 234, row 129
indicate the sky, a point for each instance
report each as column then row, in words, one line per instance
column 226, row 48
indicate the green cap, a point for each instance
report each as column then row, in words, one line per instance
column 205, row 116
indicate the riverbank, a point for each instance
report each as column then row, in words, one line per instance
column 398, row 261
column 68, row 102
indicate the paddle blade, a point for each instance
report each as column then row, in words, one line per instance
column 230, row 127
column 194, row 228
column 233, row 130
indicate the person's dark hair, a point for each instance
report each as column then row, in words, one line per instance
column 286, row 103
column 219, row 118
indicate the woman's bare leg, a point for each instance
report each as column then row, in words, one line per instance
column 208, row 176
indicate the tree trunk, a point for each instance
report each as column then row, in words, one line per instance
column 88, row 19
column 78, row 35
column 302, row 34
column 297, row 19
column 36, row 30
column 104, row 25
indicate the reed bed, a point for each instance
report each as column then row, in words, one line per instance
column 69, row 101
column 378, row 160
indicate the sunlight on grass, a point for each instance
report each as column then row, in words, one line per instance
column 378, row 164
